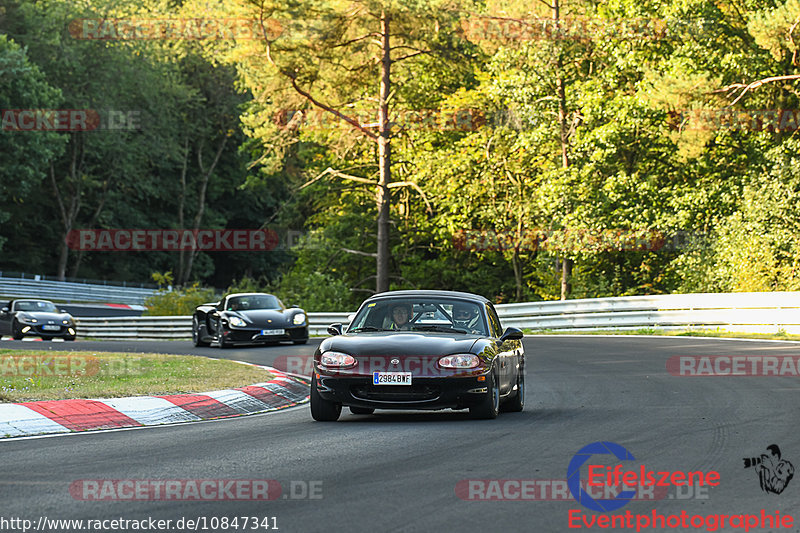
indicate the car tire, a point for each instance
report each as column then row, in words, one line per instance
column 304, row 341
column 196, row 339
column 361, row 410
column 15, row 332
column 323, row 410
column 517, row 403
column 221, row 342
column 489, row 406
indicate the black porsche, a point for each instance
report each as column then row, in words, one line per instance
column 36, row 318
column 248, row 318
column 420, row 350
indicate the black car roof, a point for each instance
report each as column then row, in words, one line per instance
column 441, row 294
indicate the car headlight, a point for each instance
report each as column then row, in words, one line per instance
column 237, row 322
column 299, row 319
column 337, row 360
column 27, row 319
column 463, row 360
column 66, row 322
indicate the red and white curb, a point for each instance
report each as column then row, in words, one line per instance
column 29, row 339
column 67, row 416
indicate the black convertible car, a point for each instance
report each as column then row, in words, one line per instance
column 248, row 318
column 420, row 350
column 36, row 318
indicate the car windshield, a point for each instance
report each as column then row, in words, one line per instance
column 35, row 305
column 253, row 301
column 420, row 314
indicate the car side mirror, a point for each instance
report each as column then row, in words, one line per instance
column 294, row 306
column 511, row 334
column 4, row 310
column 335, row 328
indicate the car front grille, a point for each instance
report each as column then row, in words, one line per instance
column 396, row 393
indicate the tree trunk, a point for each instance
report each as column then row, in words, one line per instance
column 563, row 130
column 182, row 207
column 515, row 263
column 69, row 213
column 566, row 274
column 384, row 162
column 201, row 201
column 77, row 265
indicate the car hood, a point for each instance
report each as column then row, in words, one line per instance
column 262, row 316
column 400, row 343
column 41, row 315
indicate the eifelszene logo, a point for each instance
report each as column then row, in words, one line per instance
column 574, row 476
column 608, row 476
column 773, row 472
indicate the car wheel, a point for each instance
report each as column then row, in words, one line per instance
column 221, row 341
column 196, row 339
column 304, row 341
column 321, row 409
column 490, row 405
column 361, row 410
column 15, row 332
column 517, row 403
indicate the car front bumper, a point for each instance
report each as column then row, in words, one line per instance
column 253, row 335
column 423, row 393
column 36, row 330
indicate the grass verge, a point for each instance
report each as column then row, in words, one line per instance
column 28, row 375
column 780, row 335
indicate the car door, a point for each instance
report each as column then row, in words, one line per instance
column 214, row 316
column 505, row 354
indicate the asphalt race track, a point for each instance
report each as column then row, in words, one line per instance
column 398, row 471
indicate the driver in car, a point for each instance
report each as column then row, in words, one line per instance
column 464, row 317
column 400, row 315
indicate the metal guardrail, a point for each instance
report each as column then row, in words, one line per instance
column 171, row 327
column 757, row 312
column 135, row 328
column 752, row 312
column 71, row 291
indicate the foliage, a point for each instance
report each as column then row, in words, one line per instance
column 651, row 146
column 179, row 302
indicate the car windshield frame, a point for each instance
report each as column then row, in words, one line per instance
column 48, row 307
column 439, row 309
column 255, row 302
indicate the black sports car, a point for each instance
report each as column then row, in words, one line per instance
column 248, row 318
column 36, row 318
column 420, row 350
